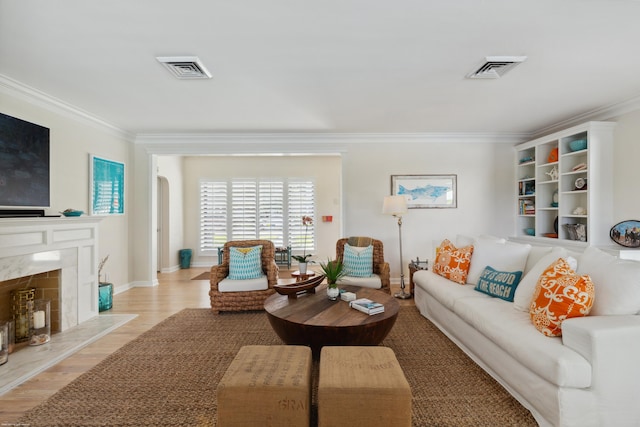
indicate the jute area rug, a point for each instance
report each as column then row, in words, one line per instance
column 168, row 377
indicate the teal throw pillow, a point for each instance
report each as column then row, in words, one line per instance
column 499, row 284
column 358, row 262
column 245, row 263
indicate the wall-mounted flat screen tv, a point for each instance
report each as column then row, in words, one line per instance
column 24, row 164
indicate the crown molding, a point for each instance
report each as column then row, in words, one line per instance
column 292, row 142
column 34, row 96
column 606, row 112
column 308, row 142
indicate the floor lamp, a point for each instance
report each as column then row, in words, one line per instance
column 396, row 206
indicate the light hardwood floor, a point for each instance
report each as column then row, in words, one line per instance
column 175, row 292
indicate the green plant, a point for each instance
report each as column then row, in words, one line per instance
column 333, row 270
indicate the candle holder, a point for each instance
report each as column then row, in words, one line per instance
column 4, row 342
column 21, row 301
column 40, row 326
column 12, row 335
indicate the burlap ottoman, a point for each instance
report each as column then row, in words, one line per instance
column 266, row 386
column 362, row 386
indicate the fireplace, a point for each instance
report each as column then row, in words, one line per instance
column 52, row 253
column 46, row 285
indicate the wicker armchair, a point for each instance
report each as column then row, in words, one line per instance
column 243, row 300
column 380, row 266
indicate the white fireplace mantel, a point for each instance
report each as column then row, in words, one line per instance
column 35, row 245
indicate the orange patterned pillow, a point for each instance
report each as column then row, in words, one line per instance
column 560, row 294
column 453, row 263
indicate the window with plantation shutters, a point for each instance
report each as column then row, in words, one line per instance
column 244, row 209
column 213, row 215
column 270, row 209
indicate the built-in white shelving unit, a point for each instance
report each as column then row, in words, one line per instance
column 564, row 191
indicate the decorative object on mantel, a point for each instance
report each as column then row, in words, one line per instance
column 553, row 174
column 71, row 212
column 626, row 233
column 40, row 326
column 397, row 206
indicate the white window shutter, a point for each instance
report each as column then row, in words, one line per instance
column 244, row 209
column 213, row 215
column 271, row 208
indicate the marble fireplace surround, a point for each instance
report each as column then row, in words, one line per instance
column 64, row 260
column 31, row 246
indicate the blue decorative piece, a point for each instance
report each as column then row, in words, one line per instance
column 105, row 296
column 578, row 144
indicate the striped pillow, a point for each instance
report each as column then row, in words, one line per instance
column 245, row 263
column 358, row 262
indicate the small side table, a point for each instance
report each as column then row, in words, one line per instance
column 413, row 267
column 302, row 276
column 283, row 256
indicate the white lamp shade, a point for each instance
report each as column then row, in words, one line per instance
column 394, row 205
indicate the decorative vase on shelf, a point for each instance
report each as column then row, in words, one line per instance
column 333, row 292
column 302, row 267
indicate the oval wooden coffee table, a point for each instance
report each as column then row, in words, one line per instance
column 314, row 320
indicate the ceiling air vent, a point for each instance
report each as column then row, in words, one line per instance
column 185, row 67
column 494, row 67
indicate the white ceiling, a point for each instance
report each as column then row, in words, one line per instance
column 326, row 65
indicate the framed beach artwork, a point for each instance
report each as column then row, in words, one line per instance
column 107, row 186
column 426, row 191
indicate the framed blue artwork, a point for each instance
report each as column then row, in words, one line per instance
column 426, row 191
column 107, row 186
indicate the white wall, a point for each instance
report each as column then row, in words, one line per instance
column 71, row 142
column 485, row 188
column 485, row 194
column 324, row 169
column 170, row 168
column 626, row 168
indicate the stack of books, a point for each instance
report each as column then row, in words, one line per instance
column 365, row 305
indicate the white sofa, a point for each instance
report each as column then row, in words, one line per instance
column 590, row 376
